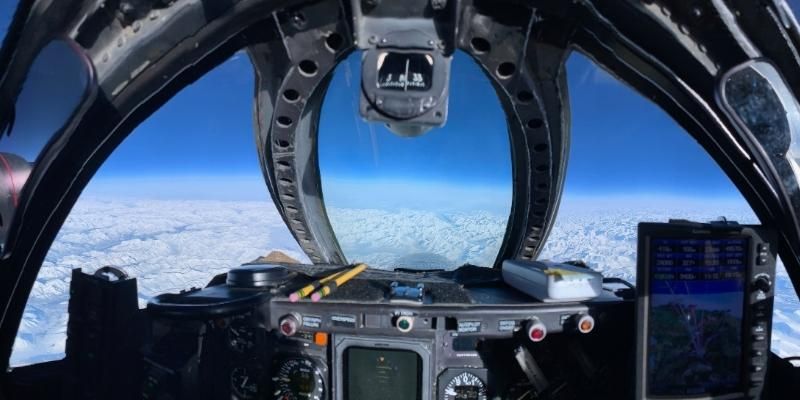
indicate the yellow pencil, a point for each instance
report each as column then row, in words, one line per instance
column 338, row 281
column 306, row 290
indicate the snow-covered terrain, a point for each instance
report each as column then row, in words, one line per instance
column 170, row 245
column 418, row 239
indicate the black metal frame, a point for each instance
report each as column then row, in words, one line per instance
column 145, row 52
column 287, row 125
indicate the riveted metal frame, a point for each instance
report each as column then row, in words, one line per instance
column 534, row 106
column 289, row 98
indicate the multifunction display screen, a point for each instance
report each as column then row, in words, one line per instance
column 696, row 306
column 382, row 374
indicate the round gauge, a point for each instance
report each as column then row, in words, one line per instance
column 465, row 386
column 298, row 379
column 245, row 383
column 241, row 336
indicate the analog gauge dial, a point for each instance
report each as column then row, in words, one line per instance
column 241, row 336
column 245, row 383
column 465, row 386
column 299, row 379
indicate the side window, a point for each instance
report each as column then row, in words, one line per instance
column 786, row 319
column 181, row 200
column 47, row 101
column 6, row 14
column 630, row 162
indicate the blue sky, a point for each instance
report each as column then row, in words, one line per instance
column 621, row 144
column 472, row 148
column 615, row 135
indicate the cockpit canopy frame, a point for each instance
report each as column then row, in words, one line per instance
column 143, row 53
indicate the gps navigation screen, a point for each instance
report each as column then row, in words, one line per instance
column 697, row 289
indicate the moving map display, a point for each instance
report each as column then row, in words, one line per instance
column 696, row 305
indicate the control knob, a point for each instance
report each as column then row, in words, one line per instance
column 762, row 283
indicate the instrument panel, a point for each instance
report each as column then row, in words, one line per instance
column 703, row 300
column 255, row 343
column 403, row 335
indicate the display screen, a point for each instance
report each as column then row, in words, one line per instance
column 302, row 381
column 405, row 71
column 697, row 297
column 382, row 374
column 467, row 393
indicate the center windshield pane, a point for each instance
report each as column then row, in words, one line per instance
column 440, row 200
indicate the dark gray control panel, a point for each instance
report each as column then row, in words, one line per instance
column 394, row 335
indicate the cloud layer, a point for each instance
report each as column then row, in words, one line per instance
column 171, row 245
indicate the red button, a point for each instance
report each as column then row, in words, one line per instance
column 288, row 325
column 536, row 330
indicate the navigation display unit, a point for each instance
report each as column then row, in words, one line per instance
column 382, row 374
column 697, row 318
column 382, row 368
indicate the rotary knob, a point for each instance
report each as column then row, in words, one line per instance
column 762, row 283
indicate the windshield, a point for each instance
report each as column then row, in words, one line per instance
column 439, row 200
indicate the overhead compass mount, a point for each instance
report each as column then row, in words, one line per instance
column 405, row 68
